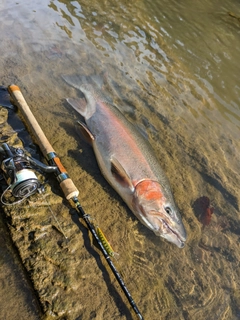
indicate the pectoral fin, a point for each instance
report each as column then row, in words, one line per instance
column 120, row 174
column 85, row 132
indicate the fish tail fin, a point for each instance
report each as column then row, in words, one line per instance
column 96, row 80
column 91, row 86
column 74, row 80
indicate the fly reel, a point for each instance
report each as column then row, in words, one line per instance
column 19, row 174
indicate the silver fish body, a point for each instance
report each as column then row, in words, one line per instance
column 128, row 163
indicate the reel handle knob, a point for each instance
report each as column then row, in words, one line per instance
column 7, row 150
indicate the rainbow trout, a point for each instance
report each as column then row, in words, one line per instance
column 128, row 162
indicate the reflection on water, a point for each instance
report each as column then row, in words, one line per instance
column 173, row 69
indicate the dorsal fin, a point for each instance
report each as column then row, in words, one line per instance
column 85, row 132
column 120, row 174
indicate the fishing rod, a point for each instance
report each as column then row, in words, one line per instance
column 69, row 189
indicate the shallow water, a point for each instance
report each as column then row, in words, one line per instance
column 173, row 69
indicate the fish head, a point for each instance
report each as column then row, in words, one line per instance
column 158, row 213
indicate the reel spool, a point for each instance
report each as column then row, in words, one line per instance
column 26, row 184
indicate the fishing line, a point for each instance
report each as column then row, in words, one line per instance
column 54, row 216
column 10, row 203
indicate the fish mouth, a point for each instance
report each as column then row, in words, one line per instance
column 172, row 235
column 162, row 226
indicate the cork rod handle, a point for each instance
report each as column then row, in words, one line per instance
column 67, row 185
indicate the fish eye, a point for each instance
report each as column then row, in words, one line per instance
column 168, row 210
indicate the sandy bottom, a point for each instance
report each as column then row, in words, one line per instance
column 17, row 296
